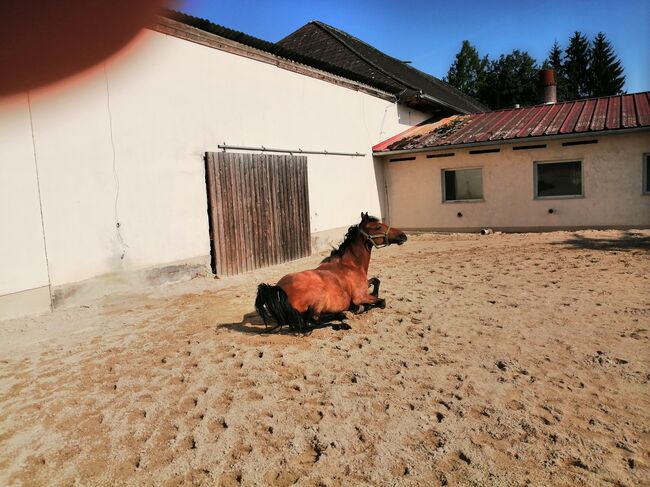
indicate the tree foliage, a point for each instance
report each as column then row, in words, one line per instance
column 576, row 66
column 606, row 76
column 466, row 70
column 510, row 80
column 581, row 70
column 555, row 61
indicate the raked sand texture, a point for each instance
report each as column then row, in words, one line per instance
column 518, row 359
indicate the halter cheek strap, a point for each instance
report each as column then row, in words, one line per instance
column 371, row 238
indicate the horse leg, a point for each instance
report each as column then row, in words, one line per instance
column 369, row 301
column 327, row 317
column 356, row 309
column 341, row 318
column 374, row 282
column 324, row 320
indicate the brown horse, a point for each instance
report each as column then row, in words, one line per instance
column 340, row 283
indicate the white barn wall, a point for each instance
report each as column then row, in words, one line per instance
column 144, row 123
column 73, row 150
column 23, row 265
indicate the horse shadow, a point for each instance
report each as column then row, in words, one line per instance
column 252, row 323
column 629, row 240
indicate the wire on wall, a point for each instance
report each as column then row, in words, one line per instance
column 40, row 201
column 118, row 232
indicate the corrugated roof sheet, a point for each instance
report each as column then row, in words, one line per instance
column 578, row 117
column 277, row 50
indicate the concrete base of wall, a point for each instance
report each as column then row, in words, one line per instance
column 40, row 300
column 81, row 292
column 23, row 303
column 327, row 239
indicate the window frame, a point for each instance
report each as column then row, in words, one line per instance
column 444, row 189
column 559, row 197
column 645, row 167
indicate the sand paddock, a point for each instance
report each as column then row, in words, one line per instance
column 499, row 360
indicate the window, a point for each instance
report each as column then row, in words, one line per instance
column 558, row 179
column 462, row 184
column 646, row 173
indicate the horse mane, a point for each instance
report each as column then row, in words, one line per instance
column 350, row 236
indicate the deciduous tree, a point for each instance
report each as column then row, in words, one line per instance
column 510, row 80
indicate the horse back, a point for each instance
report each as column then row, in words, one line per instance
column 321, row 290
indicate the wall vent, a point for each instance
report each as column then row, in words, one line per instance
column 400, row 159
column 446, row 154
column 528, row 147
column 579, row 142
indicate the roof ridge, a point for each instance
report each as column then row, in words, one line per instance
column 273, row 48
column 380, row 70
column 178, row 15
column 328, row 28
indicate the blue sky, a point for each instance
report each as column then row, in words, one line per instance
column 430, row 33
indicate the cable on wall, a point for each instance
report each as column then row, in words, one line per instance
column 40, row 201
column 118, row 232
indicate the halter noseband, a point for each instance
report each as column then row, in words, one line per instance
column 371, row 238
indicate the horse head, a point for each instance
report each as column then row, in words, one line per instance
column 379, row 234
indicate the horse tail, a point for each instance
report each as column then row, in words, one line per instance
column 272, row 304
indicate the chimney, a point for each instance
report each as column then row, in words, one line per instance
column 547, row 86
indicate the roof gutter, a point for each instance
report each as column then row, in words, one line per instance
column 405, row 97
column 511, row 141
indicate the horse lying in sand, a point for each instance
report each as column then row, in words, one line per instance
column 340, row 283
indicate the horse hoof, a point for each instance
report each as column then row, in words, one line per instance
column 381, row 304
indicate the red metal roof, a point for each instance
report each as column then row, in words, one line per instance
column 578, row 117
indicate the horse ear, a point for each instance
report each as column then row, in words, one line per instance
column 363, row 216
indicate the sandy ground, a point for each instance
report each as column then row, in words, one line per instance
column 499, row 360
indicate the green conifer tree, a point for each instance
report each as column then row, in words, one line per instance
column 555, row 61
column 606, row 73
column 466, row 71
column 576, row 67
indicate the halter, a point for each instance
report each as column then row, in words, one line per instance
column 371, row 238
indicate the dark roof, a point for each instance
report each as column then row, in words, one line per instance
column 276, row 49
column 353, row 59
column 580, row 117
column 327, row 43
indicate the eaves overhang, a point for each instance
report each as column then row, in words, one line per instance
column 180, row 30
column 523, row 140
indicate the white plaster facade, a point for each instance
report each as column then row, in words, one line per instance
column 612, row 179
column 125, row 145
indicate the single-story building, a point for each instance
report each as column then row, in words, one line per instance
column 167, row 158
column 578, row 164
